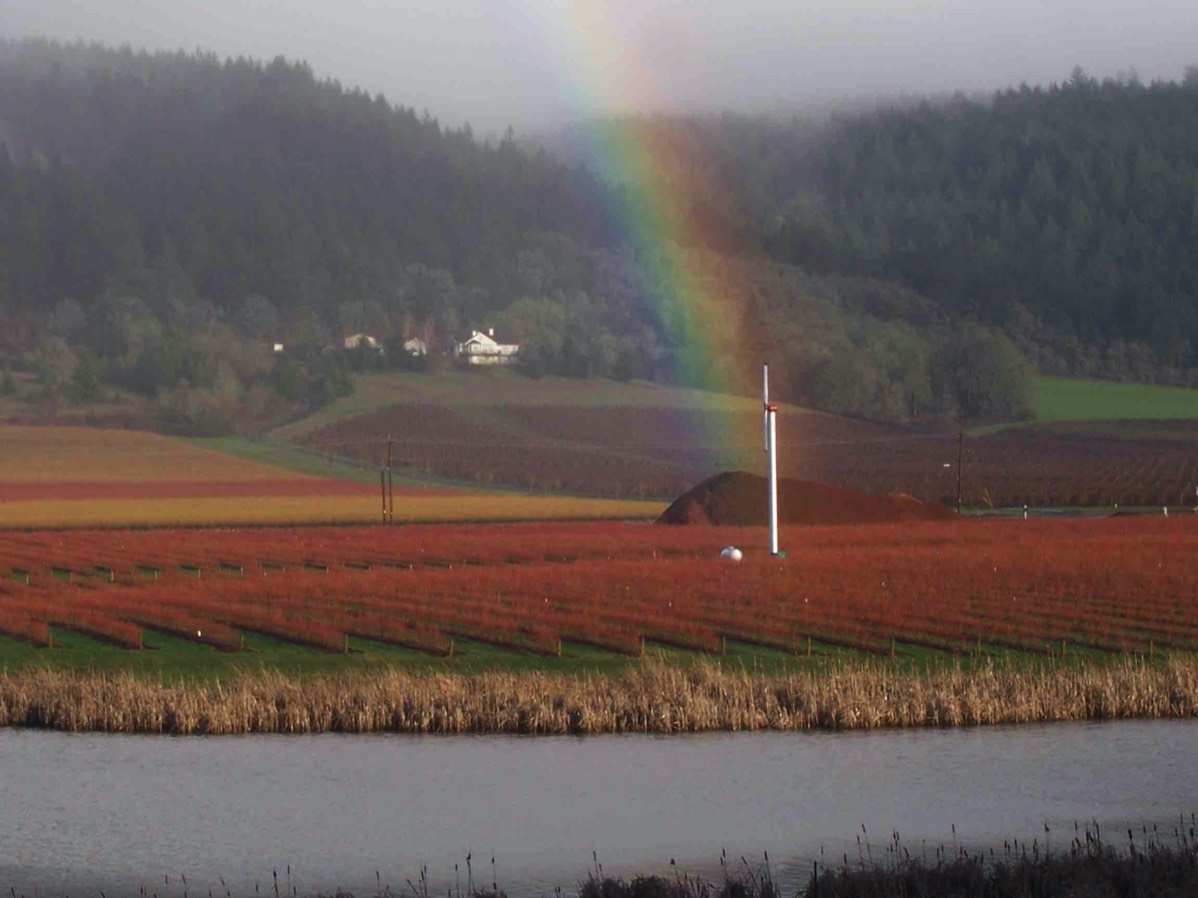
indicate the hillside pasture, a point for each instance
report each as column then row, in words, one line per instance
column 488, row 388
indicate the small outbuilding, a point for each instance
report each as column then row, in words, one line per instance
column 415, row 347
column 361, row 341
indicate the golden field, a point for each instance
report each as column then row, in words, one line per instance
column 85, row 454
column 83, row 477
column 313, row 509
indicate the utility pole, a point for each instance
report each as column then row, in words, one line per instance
column 390, row 486
column 960, row 453
column 383, row 491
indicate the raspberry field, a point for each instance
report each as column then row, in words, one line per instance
column 581, row 595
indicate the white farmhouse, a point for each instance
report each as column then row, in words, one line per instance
column 485, row 349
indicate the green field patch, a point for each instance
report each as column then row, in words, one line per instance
column 171, row 658
column 1181, row 430
column 471, row 656
column 1077, row 399
column 1064, row 650
column 388, row 654
column 674, row 654
column 291, row 459
column 765, row 659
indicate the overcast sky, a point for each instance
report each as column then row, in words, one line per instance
column 536, row 63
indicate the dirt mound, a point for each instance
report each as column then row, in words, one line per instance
column 738, row 499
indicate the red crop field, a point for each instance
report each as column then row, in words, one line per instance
column 1108, row 585
column 662, row 452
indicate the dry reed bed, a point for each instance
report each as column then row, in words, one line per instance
column 651, row 698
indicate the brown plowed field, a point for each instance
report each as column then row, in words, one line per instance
column 618, row 451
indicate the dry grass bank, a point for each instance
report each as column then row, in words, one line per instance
column 653, row 698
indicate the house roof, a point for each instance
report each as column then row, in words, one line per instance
column 485, row 336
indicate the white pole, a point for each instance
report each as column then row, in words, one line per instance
column 771, row 447
column 765, row 407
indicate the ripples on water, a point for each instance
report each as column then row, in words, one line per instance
column 88, row 812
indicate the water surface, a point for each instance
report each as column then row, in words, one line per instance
column 83, row 813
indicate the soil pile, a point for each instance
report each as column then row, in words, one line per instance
column 738, row 499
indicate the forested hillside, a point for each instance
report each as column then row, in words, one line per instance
column 164, row 217
column 247, row 178
column 1066, row 215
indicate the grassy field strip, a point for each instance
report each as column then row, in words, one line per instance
column 315, row 510
column 305, row 460
column 1076, row 399
column 650, row 698
column 292, row 458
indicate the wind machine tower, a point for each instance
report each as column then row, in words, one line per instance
column 770, row 426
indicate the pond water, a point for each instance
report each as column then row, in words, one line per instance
column 80, row 814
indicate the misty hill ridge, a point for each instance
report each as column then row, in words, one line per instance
column 164, row 215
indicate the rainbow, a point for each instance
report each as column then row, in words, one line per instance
column 662, row 171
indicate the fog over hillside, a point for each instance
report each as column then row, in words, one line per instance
column 533, row 64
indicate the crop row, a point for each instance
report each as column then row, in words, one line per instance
column 123, row 553
column 1112, row 585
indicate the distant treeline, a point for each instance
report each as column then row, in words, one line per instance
column 164, row 216
column 1066, row 215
